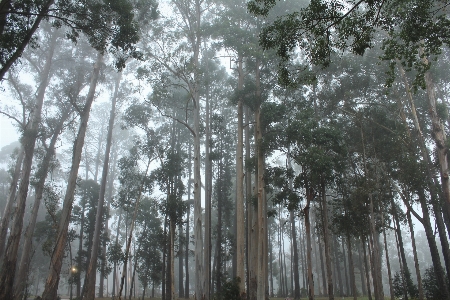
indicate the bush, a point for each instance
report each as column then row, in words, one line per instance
column 430, row 285
column 230, row 290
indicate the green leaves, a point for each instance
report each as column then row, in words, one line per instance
column 327, row 27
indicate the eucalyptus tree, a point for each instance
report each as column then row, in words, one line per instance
column 149, row 245
column 122, row 37
column 28, row 141
column 20, row 21
column 90, row 279
column 54, row 126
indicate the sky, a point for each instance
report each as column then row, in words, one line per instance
column 8, row 133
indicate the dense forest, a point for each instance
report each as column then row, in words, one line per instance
column 225, row 149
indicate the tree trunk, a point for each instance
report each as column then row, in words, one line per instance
column 351, row 270
column 262, row 215
column 51, row 285
column 27, row 38
column 366, row 268
column 130, row 234
column 28, row 143
column 338, row 267
column 10, row 200
column 326, row 241
column 347, row 289
column 309, row 197
column 180, row 261
column 80, row 246
column 165, row 257
column 416, row 260
column 23, row 270
column 388, row 265
column 91, row 273
column 112, row 176
column 253, row 244
column 208, row 194
column 240, row 224
column 406, row 274
column 172, row 259
column 361, row 271
column 439, row 272
column 186, row 287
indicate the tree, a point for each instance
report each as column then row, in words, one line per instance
column 20, row 20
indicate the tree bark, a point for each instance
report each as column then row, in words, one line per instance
column 22, row 273
column 366, row 268
column 51, row 285
column 416, row 260
column 186, row 287
column 91, row 273
column 347, row 288
column 351, row 270
column 388, row 265
column 10, row 200
column 309, row 197
column 326, row 241
column 208, row 194
column 28, row 143
column 240, row 220
column 262, row 215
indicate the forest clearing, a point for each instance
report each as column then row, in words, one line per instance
column 225, row 149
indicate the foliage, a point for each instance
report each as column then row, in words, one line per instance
column 108, row 25
column 431, row 287
column 322, row 28
column 229, row 291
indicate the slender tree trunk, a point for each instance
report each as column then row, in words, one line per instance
column 306, row 210
column 165, row 257
column 406, row 275
column 80, row 246
column 262, row 215
column 208, row 194
column 351, row 270
column 130, row 235
column 361, row 271
column 366, row 268
column 296, row 277
column 51, row 285
column 172, row 258
column 99, row 150
column 186, row 287
column 240, row 234
column 91, row 273
column 28, row 143
column 249, row 205
column 253, row 244
column 347, row 289
column 22, row 273
column 316, row 258
column 115, row 263
column 388, row 265
column 112, row 176
column 180, row 262
column 326, row 241
column 439, row 272
column 322, row 268
column 338, row 267
column 10, row 200
column 416, row 260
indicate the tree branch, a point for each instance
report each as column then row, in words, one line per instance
column 176, row 119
